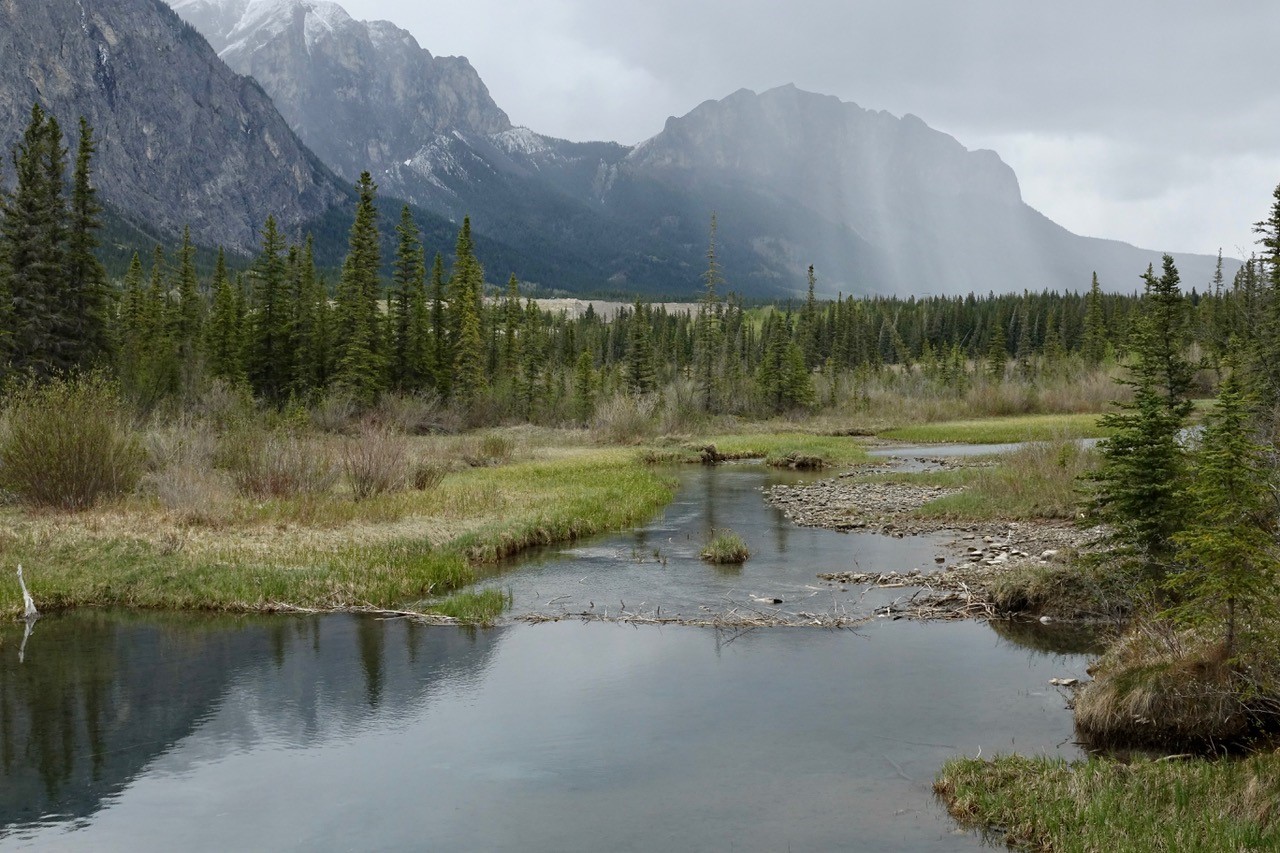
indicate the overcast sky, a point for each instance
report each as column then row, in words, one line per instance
column 1151, row 121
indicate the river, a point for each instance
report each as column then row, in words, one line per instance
column 127, row 731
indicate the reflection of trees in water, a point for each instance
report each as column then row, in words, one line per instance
column 101, row 696
column 1056, row 638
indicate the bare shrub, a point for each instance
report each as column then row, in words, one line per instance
column 337, row 412
column 196, row 495
column 428, row 475
column 374, row 462
column 277, row 464
column 185, row 442
column 680, row 412
column 68, row 444
column 223, row 404
column 412, row 414
column 626, row 419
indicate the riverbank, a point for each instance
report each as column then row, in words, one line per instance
column 1015, row 546
column 1172, row 803
column 404, row 549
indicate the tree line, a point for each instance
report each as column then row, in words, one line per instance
column 285, row 332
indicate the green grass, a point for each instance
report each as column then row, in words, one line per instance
column 392, row 551
column 1000, row 430
column 479, row 607
column 1101, row 804
column 726, row 548
column 1039, row 481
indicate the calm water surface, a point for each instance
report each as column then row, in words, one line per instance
column 346, row 733
column 657, row 565
column 159, row 732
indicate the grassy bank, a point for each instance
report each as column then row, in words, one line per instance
column 1003, row 430
column 775, row 448
column 402, row 548
column 1101, row 804
column 1039, row 481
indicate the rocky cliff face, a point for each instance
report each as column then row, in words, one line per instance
column 361, row 94
column 183, row 139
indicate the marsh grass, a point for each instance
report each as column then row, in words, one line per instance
column 1177, row 689
column 1102, row 804
column 1076, row 589
column 725, row 548
column 1000, row 430
column 478, row 607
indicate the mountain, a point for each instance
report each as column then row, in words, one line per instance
column 878, row 203
column 182, row 139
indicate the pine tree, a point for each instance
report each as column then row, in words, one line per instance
column 466, row 286
column 1094, row 346
column 642, row 376
column 584, row 388
column 359, row 362
column 269, row 355
column 223, row 343
column 407, row 277
column 87, row 284
column 708, row 328
column 1229, row 543
column 33, row 246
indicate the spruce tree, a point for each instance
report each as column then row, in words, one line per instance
column 359, row 360
column 1093, row 348
column 1229, row 543
column 187, row 311
column 440, row 352
column 87, row 284
column 708, row 329
column 466, row 290
column 222, row 340
column 584, row 388
column 407, row 279
column 269, row 355
column 641, row 372
column 1136, row 491
column 513, row 317
column 33, row 245
column 1264, row 354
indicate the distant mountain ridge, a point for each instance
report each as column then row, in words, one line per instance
column 879, row 204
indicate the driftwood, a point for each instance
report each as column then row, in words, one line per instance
column 735, row 616
column 938, row 596
column 29, row 611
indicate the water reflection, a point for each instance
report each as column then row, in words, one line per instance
column 349, row 733
column 100, row 696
